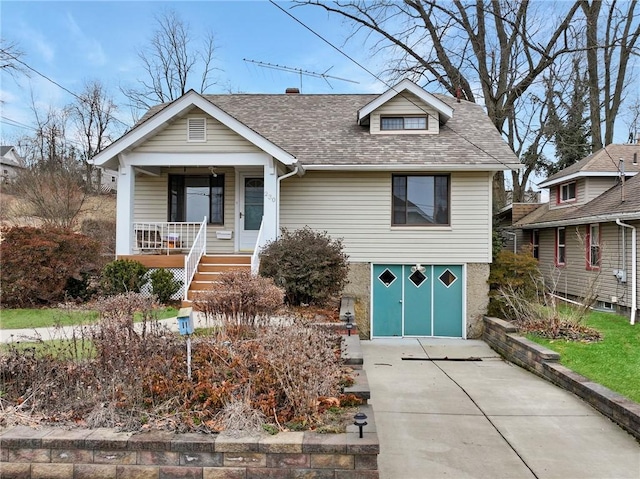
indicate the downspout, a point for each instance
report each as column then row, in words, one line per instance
column 634, row 269
column 280, row 178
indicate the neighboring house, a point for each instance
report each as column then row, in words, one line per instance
column 585, row 238
column 515, row 239
column 10, row 163
column 404, row 178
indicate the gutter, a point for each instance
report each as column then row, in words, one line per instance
column 603, row 218
column 280, row 178
column 634, row 269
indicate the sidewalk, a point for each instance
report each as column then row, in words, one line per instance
column 484, row 419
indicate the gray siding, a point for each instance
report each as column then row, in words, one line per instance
column 594, row 187
column 357, row 207
column 575, row 279
column 220, row 139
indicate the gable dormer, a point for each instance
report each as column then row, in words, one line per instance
column 405, row 109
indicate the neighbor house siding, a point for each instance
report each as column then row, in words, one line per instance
column 574, row 279
column 151, row 203
column 219, row 139
column 594, row 187
column 405, row 104
column 357, row 208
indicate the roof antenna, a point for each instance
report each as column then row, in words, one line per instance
column 300, row 72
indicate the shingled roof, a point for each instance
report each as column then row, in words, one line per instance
column 322, row 130
column 605, row 160
column 606, row 207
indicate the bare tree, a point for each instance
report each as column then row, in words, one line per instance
column 10, row 55
column 171, row 61
column 92, row 113
column 488, row 51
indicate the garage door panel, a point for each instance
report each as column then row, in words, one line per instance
column 417, row 301
column 387, row 300
column 447, row 301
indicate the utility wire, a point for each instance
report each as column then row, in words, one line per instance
column 84, row 100
column 391, row 87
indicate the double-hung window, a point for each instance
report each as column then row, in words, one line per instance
column 420, row 200
column 593, row 246
column 192, row 197
column 535, row 243
column 561, row 248
column 567, row 192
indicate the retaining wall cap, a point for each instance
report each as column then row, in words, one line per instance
column 545, row 353
column 506, row 325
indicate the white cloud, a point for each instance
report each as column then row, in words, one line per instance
column 88, row 46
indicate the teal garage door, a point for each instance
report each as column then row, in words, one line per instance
column 414, row 300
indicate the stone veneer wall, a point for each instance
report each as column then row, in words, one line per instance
column 359, row 286
column 502, row 337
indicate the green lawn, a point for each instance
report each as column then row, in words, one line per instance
column 613, row 362
column 48, row 317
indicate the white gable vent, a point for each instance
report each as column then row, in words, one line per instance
column 196, row 129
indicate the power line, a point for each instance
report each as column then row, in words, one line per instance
column 84, row 100
column 391, row 87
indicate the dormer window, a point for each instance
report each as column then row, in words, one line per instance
column 568, row 192
column 196, row 129
column 403, row 123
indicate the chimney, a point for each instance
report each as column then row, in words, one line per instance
column 292, row 91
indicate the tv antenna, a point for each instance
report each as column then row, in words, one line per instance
column 300, row 72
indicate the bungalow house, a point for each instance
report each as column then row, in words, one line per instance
column 404, row 178
column 586, row 238
column 9, row 163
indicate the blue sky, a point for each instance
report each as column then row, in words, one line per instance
column 72, row 42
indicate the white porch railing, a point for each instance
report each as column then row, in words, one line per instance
column 164, row 238
column 191, row 261
column 255, row 257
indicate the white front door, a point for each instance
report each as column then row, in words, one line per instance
column 251, row 209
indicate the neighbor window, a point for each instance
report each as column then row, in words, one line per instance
column 568, row 192
column 561, row 251
column 420, row 200
column 403, row 123
column 593, row 245
column 191, row 198
column 535, row 243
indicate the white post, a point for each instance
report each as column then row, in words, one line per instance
column 269, row 218
column 124, row 208
column 189, row 356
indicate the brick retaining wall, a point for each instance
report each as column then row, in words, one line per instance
column 502, row 337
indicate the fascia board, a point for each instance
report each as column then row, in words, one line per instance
column 397, row 167
column 583, row 174
column 611, row 217
column 446, row 112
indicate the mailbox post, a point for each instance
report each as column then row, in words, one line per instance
column 185, row 326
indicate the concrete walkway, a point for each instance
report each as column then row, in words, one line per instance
column 484, row 419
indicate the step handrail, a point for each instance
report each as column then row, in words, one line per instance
column 255, row 257
column 191, row 261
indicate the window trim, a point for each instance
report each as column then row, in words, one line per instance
column 590, row 266
column 560, row 199
column 219, row 178
column 403, row 117
column 421, row 225
column 562, row 245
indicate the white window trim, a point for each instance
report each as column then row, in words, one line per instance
column 594, row 228
column 575, row 192
column 403, row 129
column 559, row 245
column 204, row 130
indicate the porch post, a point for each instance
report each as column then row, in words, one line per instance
column 269, row 220
column 124, row 208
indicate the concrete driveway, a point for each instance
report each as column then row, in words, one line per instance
column 483, row 419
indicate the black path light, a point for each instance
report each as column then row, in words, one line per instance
column 360, row 421
column 347, row 318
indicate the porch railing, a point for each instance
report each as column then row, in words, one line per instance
column 255, row 257
column 191, row 261
column 164, row 238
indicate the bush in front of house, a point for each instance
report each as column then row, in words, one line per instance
column 43, row 266
column 123, row 276
column 164, row 285
column 310, row 266
column 513, row 274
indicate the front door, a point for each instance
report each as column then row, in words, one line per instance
column 251, row 210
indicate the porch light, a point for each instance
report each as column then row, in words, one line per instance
column 360, row 420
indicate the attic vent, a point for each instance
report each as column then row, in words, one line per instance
column 196, row 129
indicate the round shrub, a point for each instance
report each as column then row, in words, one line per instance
column 164, row 285
column 123, row 276
column 309, row 265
